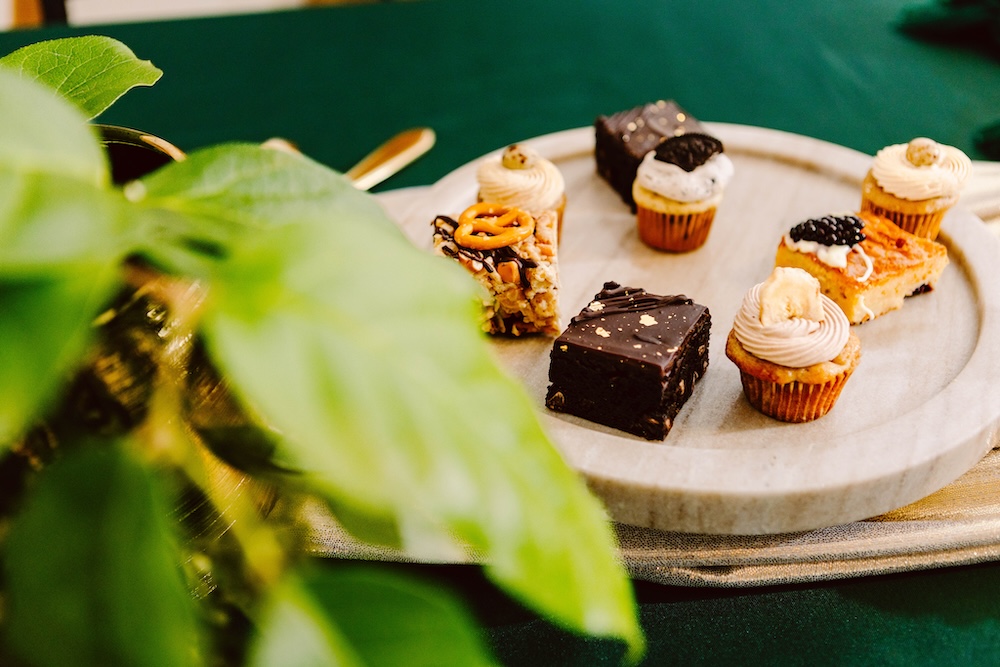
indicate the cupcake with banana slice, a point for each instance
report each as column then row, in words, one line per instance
column 521, row 177
column 915, row 184
column 793, row 346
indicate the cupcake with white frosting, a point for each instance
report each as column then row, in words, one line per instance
column 677, row 191
column 794, row 347
column 522, row 178
column 915, row 184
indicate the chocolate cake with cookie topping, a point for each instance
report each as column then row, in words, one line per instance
column 622, row 140
column 630, row 360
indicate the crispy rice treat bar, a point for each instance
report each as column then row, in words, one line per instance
column 513, row 256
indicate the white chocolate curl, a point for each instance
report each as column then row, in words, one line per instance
column 921, row 169
column 795, row 342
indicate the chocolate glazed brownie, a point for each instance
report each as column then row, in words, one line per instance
column 630, row 360
column 624, row 138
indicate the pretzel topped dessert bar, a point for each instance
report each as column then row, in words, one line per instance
column 512, row 254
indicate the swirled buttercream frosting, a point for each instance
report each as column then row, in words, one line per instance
column 795, row 342
column 673, row 182
column 922, row 169
column 521, row 177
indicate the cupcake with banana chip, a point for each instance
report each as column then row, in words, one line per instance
column 677, row 190
column 521, row 177
column 915, row 184
column 793, row 346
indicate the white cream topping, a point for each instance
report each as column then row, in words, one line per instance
column 832, row 255
column 523, row 178
column 670, row 181
column 796, row 342
column 921, row 169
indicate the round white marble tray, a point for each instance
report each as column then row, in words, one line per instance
column 922, row 408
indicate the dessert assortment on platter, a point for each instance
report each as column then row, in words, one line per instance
column 667, row 220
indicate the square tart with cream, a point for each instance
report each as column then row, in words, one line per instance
column 865, row 263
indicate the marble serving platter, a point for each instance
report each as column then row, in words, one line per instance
column 921, row 409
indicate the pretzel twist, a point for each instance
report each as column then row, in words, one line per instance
column 487, row 226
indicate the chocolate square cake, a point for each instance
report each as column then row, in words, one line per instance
column 622, row 140
column 630, row 360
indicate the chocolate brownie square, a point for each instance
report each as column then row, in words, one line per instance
column 622, row 140
column 630, row 360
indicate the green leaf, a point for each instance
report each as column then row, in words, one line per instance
column 41, row 133
column 402, row 621
column 90, row 71
column 45, row 328
column 62, row 237
column 294, row 631
column 365, row 354
column 198, row 209
column 92, row 570
column 50, row 222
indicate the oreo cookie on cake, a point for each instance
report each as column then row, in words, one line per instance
column 623, row 139
column 677, row 191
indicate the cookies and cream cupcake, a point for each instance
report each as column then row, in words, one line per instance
column 915, row 184
column 521, row 177
column 794, row 347
column 677, row 190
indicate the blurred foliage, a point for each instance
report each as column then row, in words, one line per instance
column 229, row 334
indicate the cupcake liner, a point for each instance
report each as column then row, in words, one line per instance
column 795, row 401
column 926, row 225
column 674, row 232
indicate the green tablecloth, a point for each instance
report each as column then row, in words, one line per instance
column 338, row 80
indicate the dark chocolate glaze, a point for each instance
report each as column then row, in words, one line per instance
column 616, row 299
column 630, row 360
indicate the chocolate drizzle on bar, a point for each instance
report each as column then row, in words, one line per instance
column 614, row 299
column 490, row 259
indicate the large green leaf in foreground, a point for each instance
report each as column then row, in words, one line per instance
column 365, row 354
column 60, row 246
column 40, row 133
column 402, row 621
column 91, row 570
column 90, row 71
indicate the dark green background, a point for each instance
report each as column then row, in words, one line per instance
column 339, row 80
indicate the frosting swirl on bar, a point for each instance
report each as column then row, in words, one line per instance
column 797, row 342
column 523, row 178
column 921, row 169
column 673, row 182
